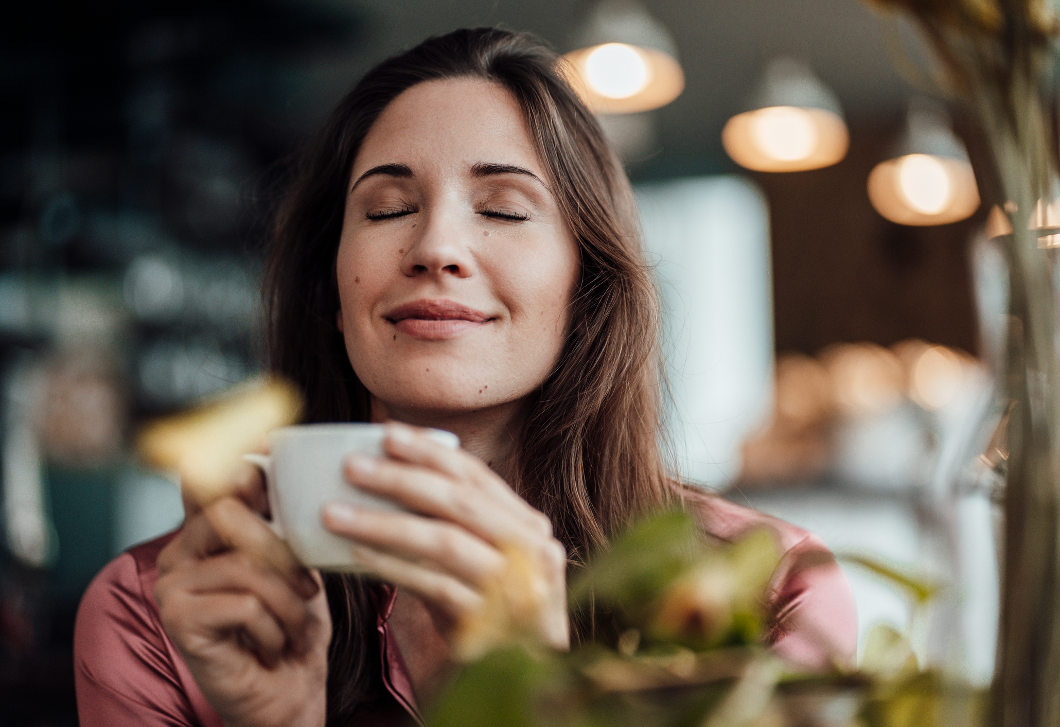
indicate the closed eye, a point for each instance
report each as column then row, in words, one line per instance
column 505, row 215
column 388, row 214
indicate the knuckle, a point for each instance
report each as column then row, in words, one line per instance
column 543, row 522
column 557, row 554
column 249, row 608
column 462, row 507
column 447, row 545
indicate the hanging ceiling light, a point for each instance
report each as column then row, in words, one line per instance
column 929, row 181
column 793, row 122
column 626, row 60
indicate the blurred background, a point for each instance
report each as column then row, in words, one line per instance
column 834, row 300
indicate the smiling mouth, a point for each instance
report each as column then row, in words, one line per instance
column 436, row 319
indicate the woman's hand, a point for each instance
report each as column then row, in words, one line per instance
column 464, row 530
column 251, row 623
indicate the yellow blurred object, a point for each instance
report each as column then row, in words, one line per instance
column 792, row 122
column 511, row 609
column 205, row 444
column 786, row 139
column 867, row 378
column 699, row 605
column 617, row 78
column 922, row 190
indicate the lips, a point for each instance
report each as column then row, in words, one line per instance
column 435, row 319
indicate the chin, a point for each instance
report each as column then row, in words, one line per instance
column 435, row 395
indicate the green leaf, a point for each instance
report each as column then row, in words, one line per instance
column 919, row 588
column 640, row 563
column 887, row 654
column 506, row 687
column 753, row 558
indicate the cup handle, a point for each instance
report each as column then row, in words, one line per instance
column 264, row 463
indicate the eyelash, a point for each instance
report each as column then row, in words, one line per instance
column 508, row 216
column 390, row 214
column 494, row 214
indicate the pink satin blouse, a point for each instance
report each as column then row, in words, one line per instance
column 129, row 674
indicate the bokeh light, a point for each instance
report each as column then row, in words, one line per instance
column 785, row 133
column 924, row 183
column 617, row 70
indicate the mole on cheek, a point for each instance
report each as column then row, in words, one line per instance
column 401, row 251
column 356, row 280
column 485, row 233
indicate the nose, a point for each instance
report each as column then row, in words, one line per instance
column 441, row 248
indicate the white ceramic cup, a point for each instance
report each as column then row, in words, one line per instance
column 303, row 472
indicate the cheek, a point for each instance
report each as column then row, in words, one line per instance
column 544, row 299
column 355, row 277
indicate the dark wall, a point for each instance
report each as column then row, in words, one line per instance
column 841, row 272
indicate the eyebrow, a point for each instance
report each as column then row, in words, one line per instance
column 399, row 171
column 487, row 169
column 481, row 169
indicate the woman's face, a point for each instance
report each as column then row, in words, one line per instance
column 455, row 265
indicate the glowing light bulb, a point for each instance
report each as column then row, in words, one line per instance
column 924, row 183
column 785, row 133
column 937, row 378
column 616, row 70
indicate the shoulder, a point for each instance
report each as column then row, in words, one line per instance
column 126, row 669
column 813, row 620
column 727, row 521
column 118, row 607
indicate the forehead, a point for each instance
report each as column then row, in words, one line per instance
column 460, row 120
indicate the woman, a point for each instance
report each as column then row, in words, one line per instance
column 460, row 250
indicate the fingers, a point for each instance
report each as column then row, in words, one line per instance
column 248, row 484
column 227, row 576
column 235, row 573
column 489, row 509
column 433, row 543
column 229, row 525
column 448, row 593
column 413, row 446
column 234, row 616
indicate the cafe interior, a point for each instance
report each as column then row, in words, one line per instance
column 834, row 291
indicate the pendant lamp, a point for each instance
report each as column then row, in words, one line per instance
column 929, row 180
column 791, row 122
column 625, row 62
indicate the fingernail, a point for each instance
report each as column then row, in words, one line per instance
column 399, row 434
column 361, row 464
column 341, row 513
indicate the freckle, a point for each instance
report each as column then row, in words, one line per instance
column 356, row 280
column 427, row 369
column 401, row 251
column 486, row 386
column 480, row 391
column 395, row 336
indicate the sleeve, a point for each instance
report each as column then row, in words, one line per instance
column 127, row 673
column 813, row 617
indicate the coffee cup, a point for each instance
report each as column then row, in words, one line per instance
column 303, row 472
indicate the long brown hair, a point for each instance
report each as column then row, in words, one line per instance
column 590, row 454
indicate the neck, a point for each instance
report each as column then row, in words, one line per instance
column 489, row 434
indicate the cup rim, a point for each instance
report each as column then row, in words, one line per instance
column 325, row 427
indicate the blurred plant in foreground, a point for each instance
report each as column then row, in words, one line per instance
column 999, row 60
column 688, row 647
